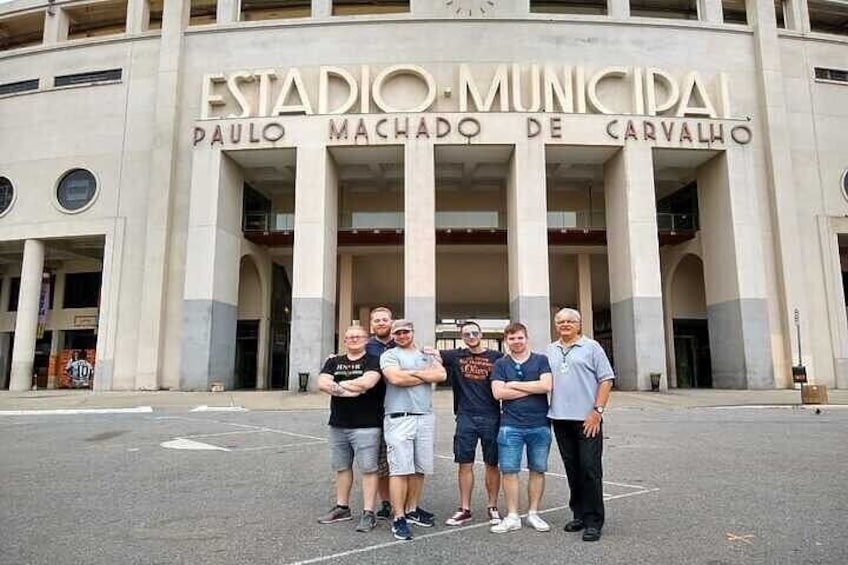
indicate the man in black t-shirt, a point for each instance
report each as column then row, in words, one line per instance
column 477, row 418
column 354, row 382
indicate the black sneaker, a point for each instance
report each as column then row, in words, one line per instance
column 385, row 511
column 367, row 522
column 421, row 517
column 337, row 514
column 400, row 529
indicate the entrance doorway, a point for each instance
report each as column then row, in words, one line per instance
column 692, row 354
column 247, row 348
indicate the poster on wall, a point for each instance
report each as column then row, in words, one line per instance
column 43, row 305
column 77, row 368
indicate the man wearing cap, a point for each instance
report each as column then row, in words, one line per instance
column 409, row 425
column 582, row 381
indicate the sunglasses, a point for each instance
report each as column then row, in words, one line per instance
column 517, row 368
column 471, row 333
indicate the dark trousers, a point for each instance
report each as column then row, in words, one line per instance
column 581, row 456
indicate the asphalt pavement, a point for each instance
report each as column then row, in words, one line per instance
column 707, row 479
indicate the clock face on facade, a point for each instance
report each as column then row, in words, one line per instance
column 469, row 8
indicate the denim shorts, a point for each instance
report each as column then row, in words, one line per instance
column 469, row 429
column 360, row 443
column 511, row 442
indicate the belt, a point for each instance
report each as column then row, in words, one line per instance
column 403, row 414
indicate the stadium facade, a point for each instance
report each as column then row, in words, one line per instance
column 194, row 192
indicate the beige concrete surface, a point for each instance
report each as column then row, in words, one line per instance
column 285, row 400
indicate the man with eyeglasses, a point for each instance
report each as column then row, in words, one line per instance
column 354, row 382
column 582, row 380
column 477, row 415
column 521, row 380
column 409, row 426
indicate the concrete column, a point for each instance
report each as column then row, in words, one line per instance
column 262, row 381
column 175, row 18
column 313, row 263
column 780, row 178
column 527, row 243
column 5, row 292
column 322, row 8
column 26, row 321
column 710, row 11
column 210, row 295
column 618, row 9
column 228, row 11
column 584, row 292
column 734, row 272
column 5, row 337
column 345, row 297
column 56, row 25
column 138, row 16
column 634, row 266
column 419, row 250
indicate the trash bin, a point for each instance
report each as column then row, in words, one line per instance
column 655, row 381
column 302, row 381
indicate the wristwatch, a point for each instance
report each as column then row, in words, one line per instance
column 599, row 410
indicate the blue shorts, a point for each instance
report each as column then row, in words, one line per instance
column 511, row 442
column 469, row 429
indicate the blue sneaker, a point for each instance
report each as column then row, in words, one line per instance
column 421, row 517
column 400, row 529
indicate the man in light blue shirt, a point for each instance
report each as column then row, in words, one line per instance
column 582, row 379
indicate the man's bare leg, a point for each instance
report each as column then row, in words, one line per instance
column 398, row 486
column 344, row 481
column 535, row 489
column 493, row 485
column 413, row 493
column 510, row 488
column 369, row 491
column 465, row 479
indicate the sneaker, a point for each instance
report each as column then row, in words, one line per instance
column 494, row 515
column 421, row 517
column 337, row 514
column 385, row 511
column 400, row 529
column 537, row 523
column 367, row 521
column 511, row 523
column 461, row 517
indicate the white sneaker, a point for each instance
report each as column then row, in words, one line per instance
column 537, row 523
column 511, row 523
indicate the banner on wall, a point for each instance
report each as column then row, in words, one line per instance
column 43, row 305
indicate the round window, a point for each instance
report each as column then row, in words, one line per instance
column 7, row 194
column 844, row 183
column 76, row 189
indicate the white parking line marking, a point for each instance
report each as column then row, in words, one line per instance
column 205, row 408
column 246, row 426
column 190, row 444
column 74, row 411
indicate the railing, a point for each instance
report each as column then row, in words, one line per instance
column 268, row 221
column 677, row 222
column 576, row 219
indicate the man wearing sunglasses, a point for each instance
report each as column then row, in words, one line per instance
column 521, row 381
column 583, row 378
column 409, row 425
column 478, row 416
column 355, row 386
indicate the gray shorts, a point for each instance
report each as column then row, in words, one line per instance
column 410, row 443
column 360, row 443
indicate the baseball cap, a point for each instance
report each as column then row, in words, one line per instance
column 402, row 325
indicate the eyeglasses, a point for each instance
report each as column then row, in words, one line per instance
column 571, row 322
column 401, row 332
column 355, row 337
column 517, row 368
column 471, row 333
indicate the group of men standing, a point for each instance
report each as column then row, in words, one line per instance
column 381, row 415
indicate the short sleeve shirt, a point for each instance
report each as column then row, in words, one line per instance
column 376, row 347
column 530, row 411
column 413, row 399
column 470, row 377
column 363, row 411
column 577, row 371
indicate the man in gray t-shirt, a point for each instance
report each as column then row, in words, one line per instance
column 409, row 425
column 581, row 386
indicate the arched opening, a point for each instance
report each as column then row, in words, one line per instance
column 250, row 301
column 690, row 327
